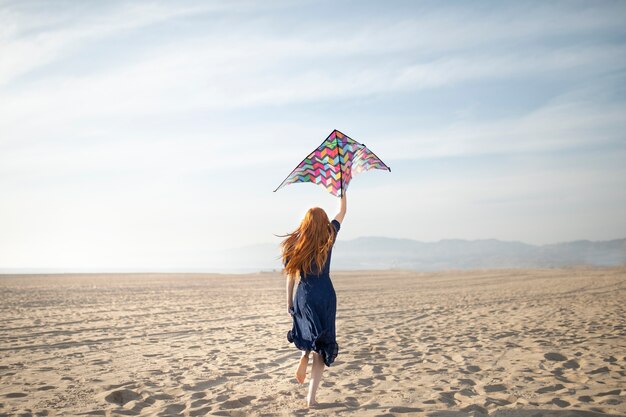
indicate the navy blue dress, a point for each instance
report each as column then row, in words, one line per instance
column 314, row 311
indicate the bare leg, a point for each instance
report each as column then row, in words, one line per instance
column 301, row 370
column 316, row 376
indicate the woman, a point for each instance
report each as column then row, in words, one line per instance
column 306, row 255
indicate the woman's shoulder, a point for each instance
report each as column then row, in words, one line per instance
column 336, row 225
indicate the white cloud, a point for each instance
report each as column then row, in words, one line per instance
column 559, row 125
column 224, row 70
column 30, row 39
column 180, row 80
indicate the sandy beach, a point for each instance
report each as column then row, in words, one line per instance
column 499, row 343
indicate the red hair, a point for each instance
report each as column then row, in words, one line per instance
column 306, row 248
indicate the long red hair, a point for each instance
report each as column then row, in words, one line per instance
column 306, row 248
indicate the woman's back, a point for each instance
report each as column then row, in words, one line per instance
column 314, row 311
column 325, row 270
column 314, row 306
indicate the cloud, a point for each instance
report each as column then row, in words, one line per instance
column 179, row 79
column 32, row 39
column 261, row 66
column 578, row 119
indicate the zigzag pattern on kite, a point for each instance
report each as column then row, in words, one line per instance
column 334, row 163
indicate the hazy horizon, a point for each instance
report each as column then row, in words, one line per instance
column 152, row 133
column 379, row 253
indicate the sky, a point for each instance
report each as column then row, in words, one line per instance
column 151, row 134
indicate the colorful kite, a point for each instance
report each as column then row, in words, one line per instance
column 333, row 164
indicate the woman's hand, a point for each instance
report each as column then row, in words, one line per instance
column 342, row 209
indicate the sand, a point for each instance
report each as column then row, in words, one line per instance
column 499, row 343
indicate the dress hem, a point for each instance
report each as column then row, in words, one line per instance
column 329, row 351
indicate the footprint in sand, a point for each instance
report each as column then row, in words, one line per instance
column 163, row 397
column 602, row 370
column 260, row 376
column 495, row 388
column 366, row 382
column 571, row 364
column 551, row 388
column 560, row 403
column 140, row 405
column 222, row 397
column 475, row 409
column 405, row 410
column 238, row 403
column 467, row 392
column 16, row 395
column 448, row 398
column 122, row 396
column 472, row 368
column 614, row 392
column 555, row 357
column 100, row 362
column 172, row 409
column 199, row 403
column 496, row 401
column 200, row 412
column 466, row 381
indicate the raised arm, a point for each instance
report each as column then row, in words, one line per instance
column 342, row 210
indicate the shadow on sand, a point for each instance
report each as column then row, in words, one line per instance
column 524, row 413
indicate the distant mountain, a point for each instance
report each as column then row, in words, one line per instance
column 375, row 253
column 389, row 253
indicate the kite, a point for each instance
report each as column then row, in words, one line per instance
column 333, row 164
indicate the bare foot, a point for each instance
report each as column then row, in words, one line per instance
column 301, row 371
